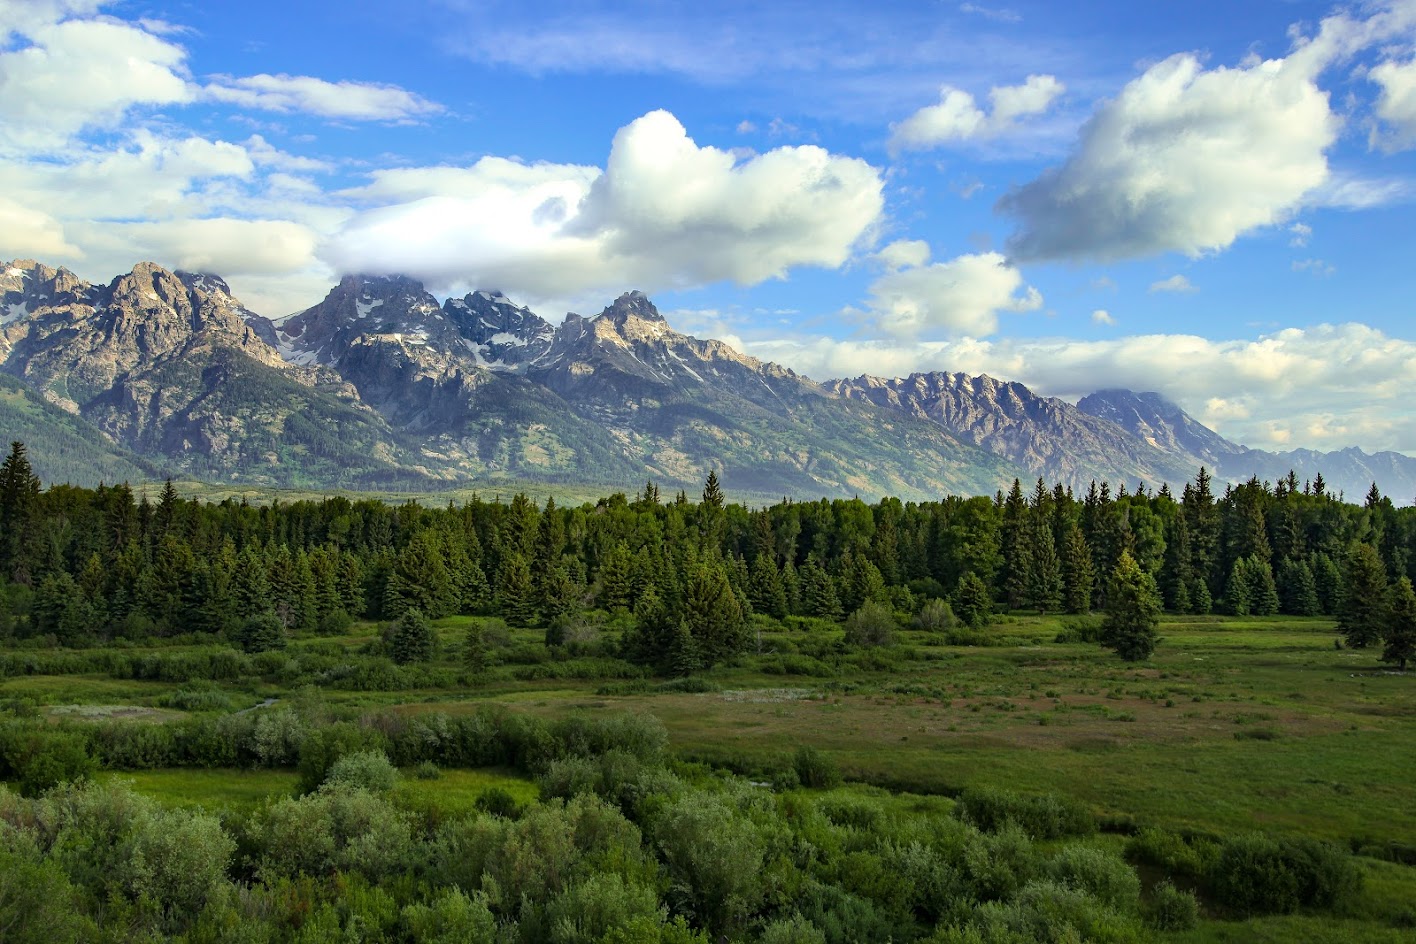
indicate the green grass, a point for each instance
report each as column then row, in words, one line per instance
column 215, row 789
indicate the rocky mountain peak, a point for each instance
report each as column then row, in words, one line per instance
column 500, row 333
column 630, row 306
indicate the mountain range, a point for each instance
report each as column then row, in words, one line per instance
column 382, row 386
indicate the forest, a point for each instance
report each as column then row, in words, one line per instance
column 613, row 722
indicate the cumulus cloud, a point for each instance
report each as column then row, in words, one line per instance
column 354, row 101
column 1301, row 233
column 1176, row 283
column 82, row 73
column 1323, row 387
column 1103, row 317
column 957, row 117
column 664, row 212
column 28, row 232
column 904, row 252
column 1396, row 105
column 961, row 297
column 1184, row 160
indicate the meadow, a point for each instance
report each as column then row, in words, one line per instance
column 1235, row 725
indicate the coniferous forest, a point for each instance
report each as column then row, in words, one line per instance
column 448, row 718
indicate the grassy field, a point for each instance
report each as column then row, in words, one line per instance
column 1234, row 725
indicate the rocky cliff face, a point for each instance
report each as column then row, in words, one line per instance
column 170, row 364
column 1046, row 436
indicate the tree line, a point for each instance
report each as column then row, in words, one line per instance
column 78, row 564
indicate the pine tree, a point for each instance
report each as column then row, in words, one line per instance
column 1297, row 590
column 1237, row 595
column 1016, row 556
column 1045, row 584
column 1132, row 611
column 712, row 490
column 420, row 580
column 1363, row 613
column 818, row 591
column 412, row 638
column 973, row 601
column 19, row 500
column 764, row 588
column 684, row 654
column 514, row 592
column 476, row 653
column 1401, row 625
column 1263, row 595
column 617, row 579
column 713, row 615
column 1077, row 573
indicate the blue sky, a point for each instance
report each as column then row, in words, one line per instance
column 1210, row 200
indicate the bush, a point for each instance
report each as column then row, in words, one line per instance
column 1105, row 878
column 44, row 758
column 1046, row 816
column 336, row 623
column 935, row 616
column 871, row 625
column 452, row 918
column 262, row 633
column 363, row 770
column 1081, row 629
column 814, row 769
column 427, row 770
column 1170, row 909
column 1256, row 874
column 497, row 802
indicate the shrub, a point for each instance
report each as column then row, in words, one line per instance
column 452, row 917
column 815, row 769
column 427, row 770
column 1170, row 909
column 336, row 623
column 262, row 633
column 793, row 930
column 593, row 906
column 1046, row 816
column 1256, row 874
column 1105, row 878
column 935, row 616
column 363, row 770
column 44, row 758
column 871, row 625
column 497, row 802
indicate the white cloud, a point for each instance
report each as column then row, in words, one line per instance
column 1328, row 386
column 303, row 94
column 903, row 253
column 1302, row 232
column 78, row 74
column 1103, row 317
column 957, row 116
column 1184, row 159
column 1315, row 266
column 1396, row 106
column 664, row 212
column 961, row 297
column 31, row 233
column 1176, row 283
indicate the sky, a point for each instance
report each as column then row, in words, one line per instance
column 1216, row 201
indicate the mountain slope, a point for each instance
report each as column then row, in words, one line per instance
column 1347, row 471
column 1044, row 436
column 63, row 447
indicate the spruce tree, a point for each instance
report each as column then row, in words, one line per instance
column 1077, row 573
column 1401, row 625
column 973, row 601
column 476, row 653
column 1132, row 611
column 713, row 615
column 1297, row 590
column 1363, row 613
column 764, row 588
column 1045, row 584
column 712, row 490
column 818, row 591
column 515, row 596
column 412, row 638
